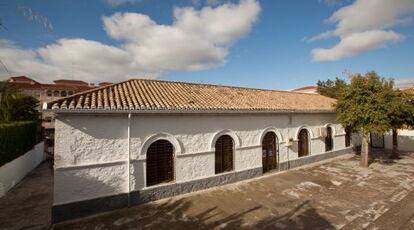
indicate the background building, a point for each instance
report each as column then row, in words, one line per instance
column 307, row 89
column 48, row 92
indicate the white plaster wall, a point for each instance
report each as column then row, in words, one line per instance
column 14, row 171
column 85, row 183
column 247, row 158
column 194, row 166
column 83, row 143
column 90, row 139
column 405, row 140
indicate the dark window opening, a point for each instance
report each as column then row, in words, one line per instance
column 49, row 93
column 63, row 93
column 224, row 154
column 56, row 93
column 328, row 139
column 70, row 92
column 160, row 163
column 303, row 143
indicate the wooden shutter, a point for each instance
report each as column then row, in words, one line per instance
column 269, row 152
column 224, row 154
column 160, row 162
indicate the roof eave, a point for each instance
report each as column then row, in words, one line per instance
column 188, row 111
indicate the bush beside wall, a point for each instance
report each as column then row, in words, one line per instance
column 16, row 138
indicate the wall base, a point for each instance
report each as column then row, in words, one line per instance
column 313, row 158
column 84, row 208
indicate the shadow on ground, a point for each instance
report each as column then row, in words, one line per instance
column 172, row 215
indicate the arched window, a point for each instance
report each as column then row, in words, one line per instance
column 224, row 154
column 70, row 93
column 347, row 137
column 160, row 162
column 49, row 93
column 56, row 93
column 270, row 151
column 328, row 139
column 303, row 143
column 63, row 93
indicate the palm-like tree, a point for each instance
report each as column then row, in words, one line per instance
column 7, row 93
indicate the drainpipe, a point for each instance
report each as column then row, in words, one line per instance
column 129, row 160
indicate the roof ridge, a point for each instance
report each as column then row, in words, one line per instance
column 224, row 86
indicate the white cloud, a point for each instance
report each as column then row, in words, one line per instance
column 363, row 20
column 354, row 44
column 121, row 2
column 196, row 40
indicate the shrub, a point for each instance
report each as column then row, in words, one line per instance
column 16, row 138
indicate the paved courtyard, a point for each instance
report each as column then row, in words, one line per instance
column 335, row 194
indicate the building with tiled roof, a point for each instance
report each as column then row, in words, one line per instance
column 409, row 90
column 70, row 82
column 47, row 92
column 141, row 140
column 140, row 94
column 307, row 89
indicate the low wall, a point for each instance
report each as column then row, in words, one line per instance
column 14, row 171
column 405, row 140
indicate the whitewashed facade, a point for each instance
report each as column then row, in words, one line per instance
column 104, row 155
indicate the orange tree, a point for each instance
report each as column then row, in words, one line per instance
column 363, row 106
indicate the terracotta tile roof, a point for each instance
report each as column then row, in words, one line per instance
column 305, row 88
column 409, row 90
column 142, row 94
column 23, row 79
column 70, row 82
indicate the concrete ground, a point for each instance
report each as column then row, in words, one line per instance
column 28, row 204
column 336, row 194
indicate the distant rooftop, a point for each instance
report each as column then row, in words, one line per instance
column 24, row 82
column 409, row 90
column 23, row 79
column 306, row 89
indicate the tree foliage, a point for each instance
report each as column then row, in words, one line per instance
column 331, row 88
column 401, row 110
column 363, row 105
column 15, row 106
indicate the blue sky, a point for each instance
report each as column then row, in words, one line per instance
column 268, row 44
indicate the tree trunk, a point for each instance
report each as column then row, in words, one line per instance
column 365, row 150
column 395, row 154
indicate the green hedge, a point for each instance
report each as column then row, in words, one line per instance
column 16, row 138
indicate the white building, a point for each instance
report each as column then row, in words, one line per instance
column 307, row 89
column 142, row 140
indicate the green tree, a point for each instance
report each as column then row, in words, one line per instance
column 363, row 107
column 7, row 94
column 331, row 88
column 24, row 108
column 15, row 106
